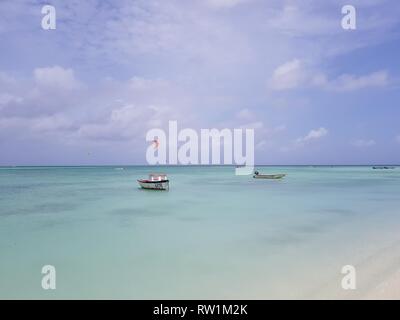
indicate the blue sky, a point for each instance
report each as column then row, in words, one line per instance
column 87, row 92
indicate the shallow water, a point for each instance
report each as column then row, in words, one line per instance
column 213, row 235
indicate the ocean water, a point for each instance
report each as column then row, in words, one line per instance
column 213, row 235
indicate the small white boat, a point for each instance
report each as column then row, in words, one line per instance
column 156, row 181
column 257, row 175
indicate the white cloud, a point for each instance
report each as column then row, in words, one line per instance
column 47, row 92
column 9, row 122
column 295, row 74
column 53, row 123
column 287, row 76
column 313, row 135
column 110, row 110
column 256, row 125
column 6, row 98
column 139, row 83
column 349, row 82
column 245, row 114
column 265, row 134
column 129, row 122
column 55, row 77
column 361, row 143
column 224, row 3
column 41, row 126
column 295, row 20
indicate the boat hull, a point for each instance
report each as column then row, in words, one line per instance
column 154, row 185
column 269, row 176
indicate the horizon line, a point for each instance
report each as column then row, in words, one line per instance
column 198, row 165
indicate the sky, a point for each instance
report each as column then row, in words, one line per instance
column 88, row 91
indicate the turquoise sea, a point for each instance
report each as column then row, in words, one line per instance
column 213, row 235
